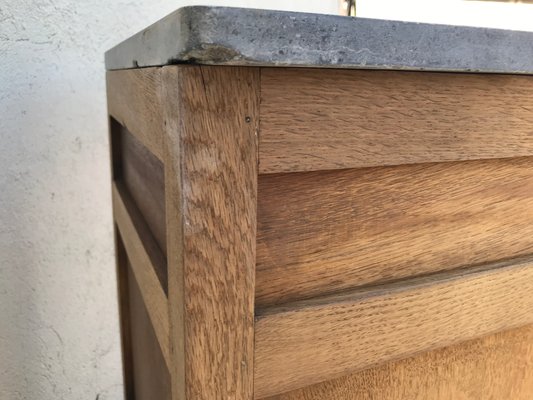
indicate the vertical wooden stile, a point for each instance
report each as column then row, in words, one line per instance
column 121, row 271
column 121, row 263
column 210, row 157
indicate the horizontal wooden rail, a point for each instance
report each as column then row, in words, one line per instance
column 133, row 99
column 325, row 231
column 491, row 367
column 313, row 120
column 142, row 252
column 321, row 339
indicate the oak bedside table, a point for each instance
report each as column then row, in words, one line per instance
column 318, row 207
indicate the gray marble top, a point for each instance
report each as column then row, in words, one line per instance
column 240, row 36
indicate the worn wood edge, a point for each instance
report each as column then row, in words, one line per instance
column 144, row 271
column 133, row 100
column 313, row 341
column 174, row 227
column 211, row 119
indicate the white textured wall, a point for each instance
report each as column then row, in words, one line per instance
column 58, row 312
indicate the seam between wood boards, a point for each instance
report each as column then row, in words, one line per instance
column 396, row 286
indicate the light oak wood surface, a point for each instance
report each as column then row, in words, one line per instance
column 133, row 99
column 324, row 338
column 316, row 119
column 321, row 232
column 496, row 367
column 211, row 195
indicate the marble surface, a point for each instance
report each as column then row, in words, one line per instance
column 240, row 36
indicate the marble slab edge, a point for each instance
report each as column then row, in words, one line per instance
column 241, row 36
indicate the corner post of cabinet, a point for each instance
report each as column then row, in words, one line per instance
column 211, row 119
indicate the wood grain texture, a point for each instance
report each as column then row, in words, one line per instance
column 321, row 232
column 122, row 271
column 321, row 339
column 151, row 378
column 211, row 195
column 134, row 100
column 142, row 254
column 142, row 176
column 316, row 119
column 495, row 367
column 174, row 205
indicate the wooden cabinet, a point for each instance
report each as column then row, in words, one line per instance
column 319, row 233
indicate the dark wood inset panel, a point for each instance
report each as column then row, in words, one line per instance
column 151, row 378
column 316, row 119
column 321, row 232
column 494, row 367
column 142, row 176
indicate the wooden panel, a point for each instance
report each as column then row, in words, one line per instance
column 320, row 232
column 314, row 119
column 211, row 195
column 495, row 367
column 321, row 339
column 143, row 253
column 142, row 176
column 151, row 377
column 122, row 269
column 133, row 99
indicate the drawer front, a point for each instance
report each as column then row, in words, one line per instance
column 324, row 232
column 395, row 218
